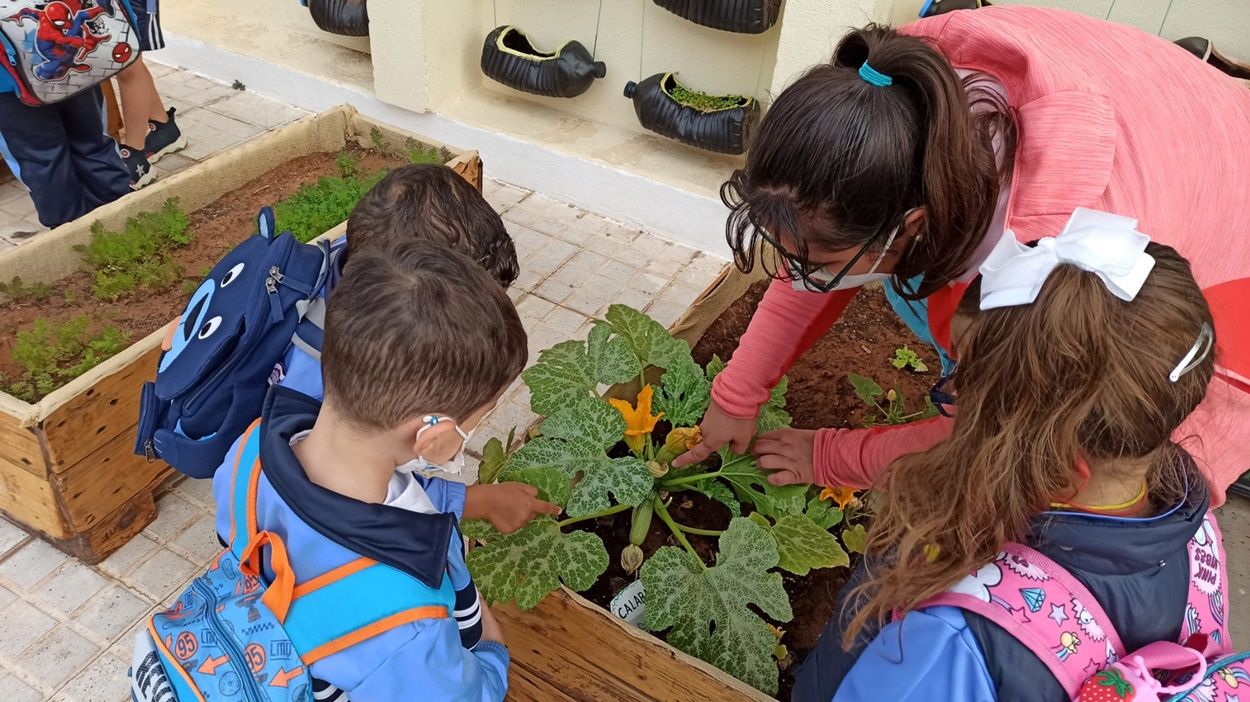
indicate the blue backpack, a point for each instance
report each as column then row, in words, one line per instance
column 235, row 635
column 212, row 378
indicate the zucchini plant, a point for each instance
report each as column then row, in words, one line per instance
column 598, row 457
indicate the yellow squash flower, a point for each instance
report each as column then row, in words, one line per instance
column 841, row 495
column 639, row 422
column 679, row 441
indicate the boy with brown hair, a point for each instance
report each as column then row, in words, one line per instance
column 420, row 345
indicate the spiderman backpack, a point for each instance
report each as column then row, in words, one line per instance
column 212, row 378
column 55, row 49
column 1039, row 603
column 248, row 630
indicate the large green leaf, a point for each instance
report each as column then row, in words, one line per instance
column 571, row 371
column 751, row 485
column 707, row 610
column 527, row 565
column 722, row 493
column 683, row 393
column 588, row 419
column 803, row 545
column 625, row 479
column 649, row 341
column 562, row 376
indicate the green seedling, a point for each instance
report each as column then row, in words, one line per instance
column 906, row 358
column 889, row 405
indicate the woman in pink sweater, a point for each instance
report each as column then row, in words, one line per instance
column 907, row 156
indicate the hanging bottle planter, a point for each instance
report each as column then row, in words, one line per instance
column 510, row 58
column 349, row 18
column 720, row 123
column 741, row 16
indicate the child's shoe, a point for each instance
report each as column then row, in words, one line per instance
column 163, row 138
column 140, row 168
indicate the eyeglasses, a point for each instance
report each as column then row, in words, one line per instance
column 940, row 398
column 814, row 276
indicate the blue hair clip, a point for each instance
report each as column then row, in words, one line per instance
column 872, row 76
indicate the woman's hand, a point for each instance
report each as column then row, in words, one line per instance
column 788, row 454
column 719, row 429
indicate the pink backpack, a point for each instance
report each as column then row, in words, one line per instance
column 1039, row 603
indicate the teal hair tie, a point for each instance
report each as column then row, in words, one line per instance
column 872, row 76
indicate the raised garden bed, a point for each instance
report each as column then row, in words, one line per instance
column 66, row 459
column 583, row 651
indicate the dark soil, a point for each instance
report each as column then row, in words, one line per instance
column 863, row 341
column 216, row 227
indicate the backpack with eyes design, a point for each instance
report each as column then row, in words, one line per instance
column 214, row 372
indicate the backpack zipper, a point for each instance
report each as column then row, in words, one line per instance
column 272, row 281
column 251, row 690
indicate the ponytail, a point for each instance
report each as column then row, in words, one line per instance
column 839, row 160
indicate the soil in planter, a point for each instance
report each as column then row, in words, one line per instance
column 216, row 228
column 863, row 341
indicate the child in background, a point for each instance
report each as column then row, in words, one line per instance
column 1074, row 376
column 61, row 153
column 421, row 343
column 150, row 130
column 434, row 204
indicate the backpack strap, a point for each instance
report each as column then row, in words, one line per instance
column 243, row 486
column 1042, row 606
column 310, row 334
column 357, row 601
column 339, row 608
column 1206, row 608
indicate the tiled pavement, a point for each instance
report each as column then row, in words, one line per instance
column 66, row 628
column 213, row 116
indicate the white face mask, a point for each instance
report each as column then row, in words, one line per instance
column 455, row 465
column 850, row 281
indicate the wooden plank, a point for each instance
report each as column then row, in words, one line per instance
column 19, row 446
column 95, row 544
column 581, row 652
column 110, row 477
column 30, row 500
column 82, row 424
column 469, row 166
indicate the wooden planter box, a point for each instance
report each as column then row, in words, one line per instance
column 66, row 462
column 568, row 649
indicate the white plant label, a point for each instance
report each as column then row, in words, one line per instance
column 630, row 603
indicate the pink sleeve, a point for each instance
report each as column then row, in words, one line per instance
column 856, row 458
column 786, row 323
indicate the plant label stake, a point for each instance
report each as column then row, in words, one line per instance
column 630, row 603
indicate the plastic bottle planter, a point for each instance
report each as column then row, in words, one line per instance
column 349, row 18
column 741, row 16
column 716, row 123
column 510, row 58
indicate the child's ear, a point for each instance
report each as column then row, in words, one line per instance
column 432, row 438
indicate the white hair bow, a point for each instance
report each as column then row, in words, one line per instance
column 1105, row 244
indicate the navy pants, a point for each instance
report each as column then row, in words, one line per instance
column 63, row 155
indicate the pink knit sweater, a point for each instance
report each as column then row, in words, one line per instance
column 1110, row 118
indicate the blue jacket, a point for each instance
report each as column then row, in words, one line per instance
column 324, row 530
column 1138, row 569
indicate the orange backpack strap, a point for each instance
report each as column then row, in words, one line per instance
column 357, row 601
